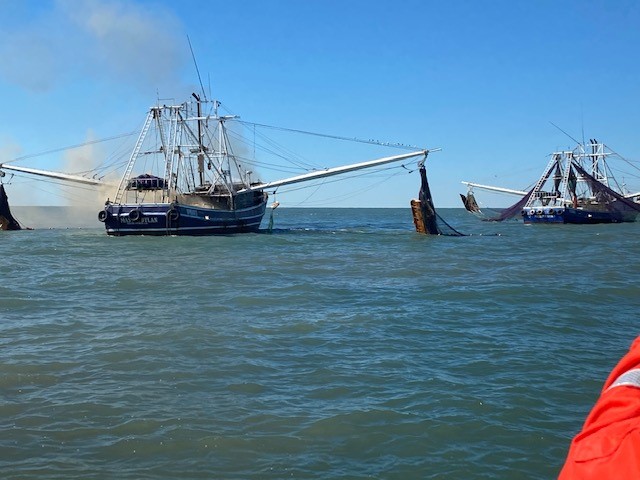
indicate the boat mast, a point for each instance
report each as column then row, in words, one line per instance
column 223, row 152
column 224, row 157
column 599, row 162
column 200, row 145
column 564, row 161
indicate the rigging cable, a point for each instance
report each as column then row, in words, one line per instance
column 335, row 137
column 197, row 69
column 71, row 147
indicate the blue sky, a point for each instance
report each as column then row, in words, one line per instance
column 480, row 79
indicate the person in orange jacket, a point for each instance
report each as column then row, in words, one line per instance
column 609, row 444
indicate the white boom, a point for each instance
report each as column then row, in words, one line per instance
column 46, row 173
column 496, row 189
column 329, row 172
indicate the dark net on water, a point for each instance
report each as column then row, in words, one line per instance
column 511, row 211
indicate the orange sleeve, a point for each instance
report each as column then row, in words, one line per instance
column 609, row 444
column 626, row 363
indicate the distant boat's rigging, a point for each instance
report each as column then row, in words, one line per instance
column 577, row 186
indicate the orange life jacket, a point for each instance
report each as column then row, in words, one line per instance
column 609, row 444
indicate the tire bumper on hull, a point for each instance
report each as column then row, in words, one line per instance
column 576, row 216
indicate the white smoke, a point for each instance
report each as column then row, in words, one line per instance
column 120, row 46
column 8, row 149
column 131, row 43
column 83, row 161
column 142, row 46
column 28, row 60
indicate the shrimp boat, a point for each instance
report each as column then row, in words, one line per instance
column 576, row 187
column 183, row 177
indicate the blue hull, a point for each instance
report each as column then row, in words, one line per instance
column 576, row 216
column 174, row 219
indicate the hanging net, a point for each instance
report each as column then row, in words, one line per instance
column 7, row 222
column 470, row 203
column 425, row 217
column 511, row 211
column 606, row 197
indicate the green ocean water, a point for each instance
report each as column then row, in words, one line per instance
column 342, row 345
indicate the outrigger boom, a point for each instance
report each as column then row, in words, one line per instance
column 521, row 192
column 329, row 172
column 60, row 176
column 495, row 189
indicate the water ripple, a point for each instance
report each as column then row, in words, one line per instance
column 314, row 352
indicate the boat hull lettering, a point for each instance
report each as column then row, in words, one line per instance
column 157, row 220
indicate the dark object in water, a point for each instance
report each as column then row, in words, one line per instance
column 424, row 212
column 469, row 202
column 7, row 222
column 425, row 217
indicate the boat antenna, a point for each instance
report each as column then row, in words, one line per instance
column 582, row 121
column 197, row 70
column 577, row 141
